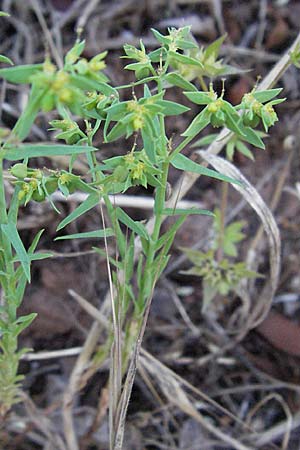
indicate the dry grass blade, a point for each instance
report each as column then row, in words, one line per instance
column 175, row 394
column 43, row 423
column 251, row 195
column 286, row 409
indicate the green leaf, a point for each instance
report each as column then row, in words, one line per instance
column 26, row 119
column 266, row 96
column 242, row 148
column 90, row 202
column 23, row 322
column 160, row 37
column 4, row 14
column 6, row 60
column 181, row 162
column 200, row 98
column 214, row 48
column 88, row 235
column 149, row 145
column 22, row 278
column 135, row 226
column 20, row 74
column 117, row 111
column 183, row 212
column 253, row 137
column 172, row 108
column 169, row 235
column 209, row 293
column 183, row 59
column 230, row 146
column 116, row 132
column 177, row 80
column 11, row 232
column 232, row 119
column 87, row 84
column 74, row 53
column 38, row 150
column 206, row 140
column 198, row 124
column 232, row 122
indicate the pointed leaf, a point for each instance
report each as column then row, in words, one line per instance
column 181, row 162
column 183, row 212
column 266, row 96
column 198, row 124
column 90, row 202
column 177, row 80
column 20, row 74
column 253, row 137
column 11, row 232
column 87, row 84
column 26, row 119
column 38, row 150
column 135, row 226
column 172, row 108
column 6, row 60
column 88, row 235
column 200, row 98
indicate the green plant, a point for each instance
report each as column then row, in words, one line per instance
column 220, row 274
column 80, row 90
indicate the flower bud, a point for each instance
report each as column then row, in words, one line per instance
column 19, row 170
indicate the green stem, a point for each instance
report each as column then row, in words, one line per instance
column 180, row 147
column 149, row 273
column 224, row 201
column 202, row 83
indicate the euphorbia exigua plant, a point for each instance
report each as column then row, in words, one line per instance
column 80, row 90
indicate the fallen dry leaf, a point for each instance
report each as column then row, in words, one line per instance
column 281, row 332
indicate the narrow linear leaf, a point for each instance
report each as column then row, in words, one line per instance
column 36, row 256
column 108, row 232
column 38, row 150
column 181, row 162
column 11, row 232
column 186, row 212
column 26, row 119
column 90, row 202
column 135, row 226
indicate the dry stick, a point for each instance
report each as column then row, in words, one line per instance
column 273, row 205
column 42, row 22
column 285, row 407
column 183, row 186
column 86, row 13
column 74, row 384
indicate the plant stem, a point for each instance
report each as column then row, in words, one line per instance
column 202, row 83
column 180, row 147
column 223, row 207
